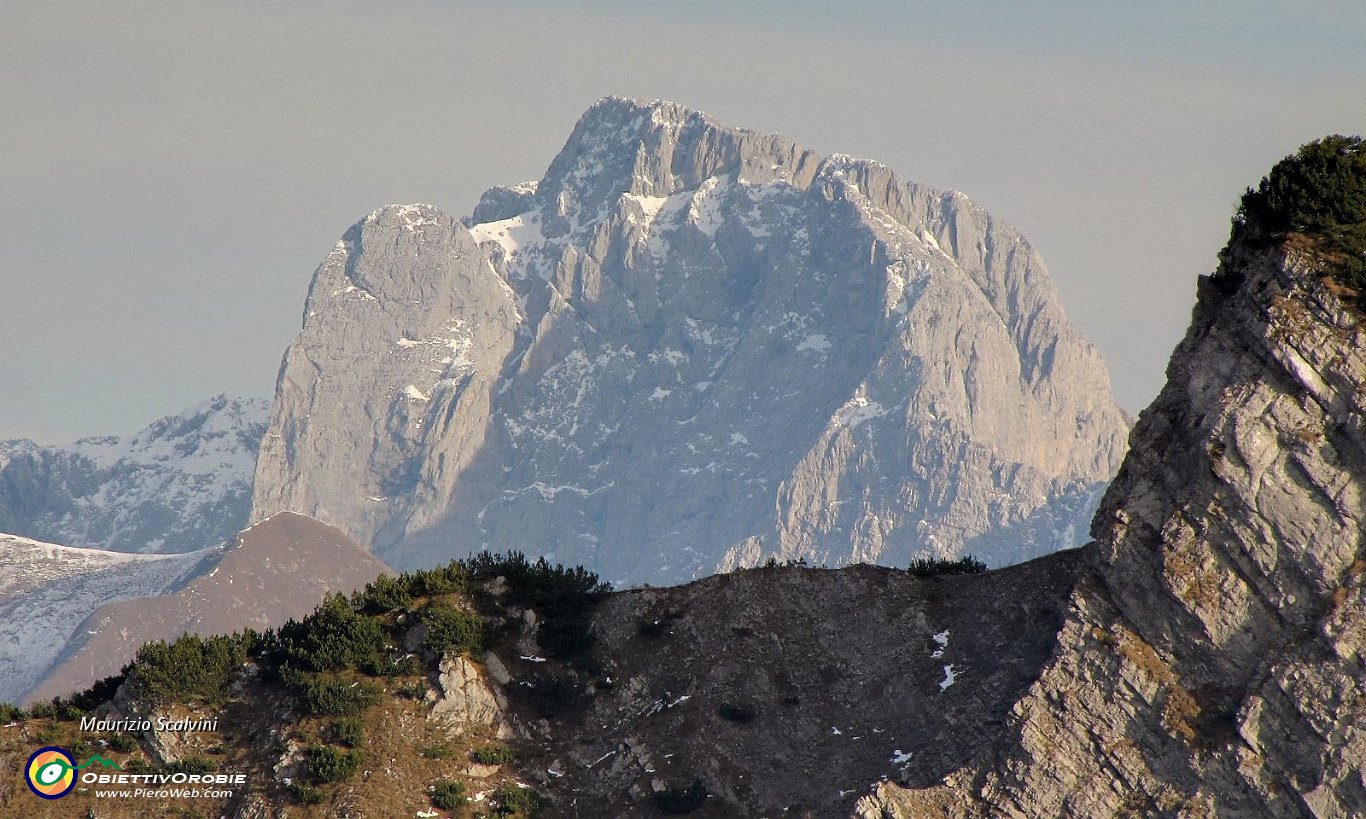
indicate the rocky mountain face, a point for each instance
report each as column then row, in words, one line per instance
column 691, row 347
column 181, row 484
column 274, row 571
column 1212, row 661
column 1202, row 657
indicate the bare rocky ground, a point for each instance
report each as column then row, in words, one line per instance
column 1213, row 657
column 791, row 691
column 786, row 691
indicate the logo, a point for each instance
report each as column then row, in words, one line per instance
column 101, row 761
column 51, row 772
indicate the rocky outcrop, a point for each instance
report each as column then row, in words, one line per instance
column 181, row 484
column 1204, row 656
column 466, row 700
column 786, row 691
column 1211, row 662
column 691, row 347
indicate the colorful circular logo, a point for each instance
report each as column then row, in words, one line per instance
column 51, row 772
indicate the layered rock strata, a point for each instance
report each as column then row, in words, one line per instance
column 1211, row 662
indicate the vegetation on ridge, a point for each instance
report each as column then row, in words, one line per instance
column 936, row 567
column 331, row 670
column 1316, row 199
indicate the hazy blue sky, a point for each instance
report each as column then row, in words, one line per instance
column 171, row 173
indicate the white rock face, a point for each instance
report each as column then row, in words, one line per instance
column 691, row 347
column 466, row 700
column 181, row 484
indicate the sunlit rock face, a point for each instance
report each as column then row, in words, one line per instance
column 1211, row 663
column 691, row 347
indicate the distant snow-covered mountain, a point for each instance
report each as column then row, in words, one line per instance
column 181, row 484
column 691, row 347
column 71, row 616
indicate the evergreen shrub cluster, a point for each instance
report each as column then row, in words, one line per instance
column 335, row 637
column 493, row 755
column 328, row 764
column 192, row 668
column 935, row 567
column 564, row 597
column 451, row 629
column 325, row 658
column 513, row 800
column 330, row 695
column 448, row 794
column 1317, row 195
column 348, row 732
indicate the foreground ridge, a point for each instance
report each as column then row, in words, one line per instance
column 1211, row 662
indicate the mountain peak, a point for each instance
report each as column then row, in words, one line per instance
column 271, row 572
column 658, row 148
column 705, row 333
column 181, row 483
column 660, row 111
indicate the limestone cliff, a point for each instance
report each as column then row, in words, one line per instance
column 691, row 347
column 1202, row 657
column 1211, row 662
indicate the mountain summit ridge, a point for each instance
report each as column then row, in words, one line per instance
column 181, row 484
column 700, row 338
column 1203, row 656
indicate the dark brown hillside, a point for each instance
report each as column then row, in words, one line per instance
column 789, row 691
column 776, row 691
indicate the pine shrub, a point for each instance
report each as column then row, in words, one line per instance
column 348, row 732
column 1319, row 194
column 335, row 637
column 330, row 695
column 191, row 668
column 493, row 755
column 451, row 629
column 935, row 567
column 327, row 764
column 448, row 794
